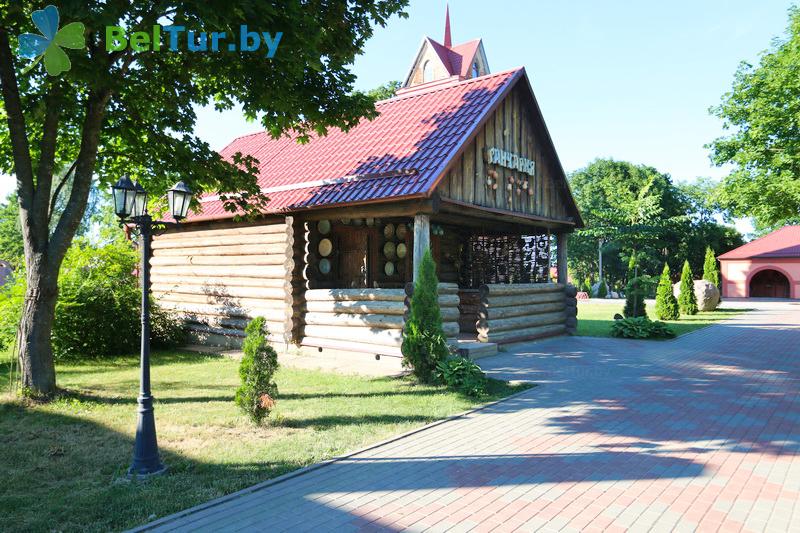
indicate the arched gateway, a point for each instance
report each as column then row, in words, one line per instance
column 769, row 284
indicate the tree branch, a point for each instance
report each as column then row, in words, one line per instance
column 47, row 153
column 60, row 186
column 23, row 167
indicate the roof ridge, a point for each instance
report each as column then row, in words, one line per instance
column 441, row 85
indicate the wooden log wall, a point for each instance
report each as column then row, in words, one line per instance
column 571, row 303
column 359, row 320
column 523, row 311
column 469, row 306
column 219, row 278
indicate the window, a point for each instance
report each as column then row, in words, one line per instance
column 475, row 71
column 427, row 72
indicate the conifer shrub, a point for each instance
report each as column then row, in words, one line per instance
column 634, row 299
column 687, row 301
column 666, row 303
column 711, row 269
column 257, row 393
column 602, row 289
column 424, row 343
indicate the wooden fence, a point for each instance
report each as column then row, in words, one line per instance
column 523, row 311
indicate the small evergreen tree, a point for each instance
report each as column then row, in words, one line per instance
column 687, row 302
column 424, row 343
column 602, row 289
column 710, row 268
column 257, row 392
column 587, row 286
column 666, row 303
column 634, row 299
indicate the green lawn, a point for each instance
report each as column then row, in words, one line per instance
column 63, row 464
column 595, row 318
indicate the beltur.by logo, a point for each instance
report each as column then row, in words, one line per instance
column 178, row 37
column 49, row 44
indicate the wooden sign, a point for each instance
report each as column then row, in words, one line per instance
column 496, row 156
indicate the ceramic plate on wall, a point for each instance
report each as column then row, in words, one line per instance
column 401, row 231
column 324, row 266
column 324, row 226
column 401, row 250
column 388, row 231
column 325, row 247
column 389, row 250
column 388, row 268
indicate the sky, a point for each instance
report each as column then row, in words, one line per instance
column 622, row 79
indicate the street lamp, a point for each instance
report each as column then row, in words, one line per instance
column 130, row 205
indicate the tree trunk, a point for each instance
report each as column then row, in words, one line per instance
column 36, row 326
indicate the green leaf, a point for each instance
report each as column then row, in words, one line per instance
column 56, row 60
column 71, row 36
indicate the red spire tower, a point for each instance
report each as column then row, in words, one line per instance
column 448, row 42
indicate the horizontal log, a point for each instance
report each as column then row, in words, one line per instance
column 260, row 271
column 500, row 289
column 383, row 337
column 233, row 323
column 385, row 295
column 525, row 334
column 231, row 249
column 344, row 320
column 520, row 322
column 350, row 346
column 522, row 299
column 271, row 314
column 451, row 329
column 449, row 314
column 238, row 230
column 448, row 300
column 221, row 260
column 230, row 332
column 268, row 293
column 519, row 310
column 248, row 303
column 220, row 281
column 204, row 241
column 356, row 307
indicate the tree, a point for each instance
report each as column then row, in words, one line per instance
column 666, row 303
column 764, row 146
column 687, row 301
column 424, row 343
column 257, row 392
column 634, row 299
column 602, row 289
column 710, row 268
column 12, row 248
column 120, row 111
column 385, row 91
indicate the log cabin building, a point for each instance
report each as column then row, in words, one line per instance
column 459, row 161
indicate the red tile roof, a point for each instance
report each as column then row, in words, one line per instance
column 781, row 243
column 399, row 154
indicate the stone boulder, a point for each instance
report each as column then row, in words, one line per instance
column 706, row 293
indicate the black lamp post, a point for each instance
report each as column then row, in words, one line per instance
column 130, row 205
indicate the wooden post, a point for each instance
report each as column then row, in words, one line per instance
column 422, row 239
column 561, row 243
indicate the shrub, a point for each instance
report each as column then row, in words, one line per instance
column 587, row 286
column 711, row 269
column 602, row 289
column 462, row 375
column 687, row 301
column 98, row 308
column 634, row 299
column 257, row 393
column 666, row 303
column 424, row 343
column 641, row 328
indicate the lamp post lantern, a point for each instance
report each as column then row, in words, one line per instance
column 130, row 205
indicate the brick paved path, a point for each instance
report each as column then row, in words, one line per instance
column 700, row 433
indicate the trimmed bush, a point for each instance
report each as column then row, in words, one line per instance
column 687, row 301
column 602, row 289
column 711, row 269
column 424, row 343
column 666, row 303
column 257, row 393
column 462, row 375
column 641, row 328
column 634, row 299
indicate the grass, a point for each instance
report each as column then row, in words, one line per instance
column 63, row 463
column 595, row 318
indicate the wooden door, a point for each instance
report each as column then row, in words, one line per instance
column 769, row 284
column 353, row 259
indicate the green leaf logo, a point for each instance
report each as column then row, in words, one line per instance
column 49, row 44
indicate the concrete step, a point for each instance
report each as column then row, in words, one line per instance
column 476, row 350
